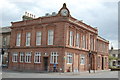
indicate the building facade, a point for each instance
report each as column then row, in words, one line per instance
column 115, row 58
column 56, row 41
column 5, row 34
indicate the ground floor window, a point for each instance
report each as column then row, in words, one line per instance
column 21, row 56
column 15, row 57
column 114, row 63
column 82, row 59
column 98, row 61
column 118, row 62
column 37, row 57
column 28, row 57
column 54, row 58
column 69, row 58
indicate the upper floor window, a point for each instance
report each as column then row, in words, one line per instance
column 21, row 57
column 113, row 55
column 84, row 41
column 92, row 43
column 50, row 37
column 15, row 57
column 4, row 41
column 69, row 58
column 37, row 57
column 38, row 38
column 82, row 59
column 77, row 40
column 71, row 38
column 28, row 34
column 54, row 58
column 119, row 55
column 18, row 39
column 28, row 57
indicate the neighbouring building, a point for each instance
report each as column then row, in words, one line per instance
column 56, row 40
column 5, row 44
column 115, row 58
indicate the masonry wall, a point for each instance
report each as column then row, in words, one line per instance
column 60, row 44
column 37, row 66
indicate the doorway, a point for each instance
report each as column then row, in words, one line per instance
column 102, row 63
column 45, row 59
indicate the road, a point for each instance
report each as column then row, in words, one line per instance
column 99, row 74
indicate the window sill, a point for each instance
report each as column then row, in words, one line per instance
column 27, row 45
column 21, row 62
column 37, row 62
column 69, row 63
column 17, row 46
column 82, row 64
column 38, row 45
column 27, row 62
column 53, row 63
column 14, row 61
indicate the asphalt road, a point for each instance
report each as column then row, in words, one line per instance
column 98, row 74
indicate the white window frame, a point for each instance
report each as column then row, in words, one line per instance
column 77, row 40
column 84, row 41
column 4, row 41
column 38, row 55
column 99, row 59
column 92, row 42
column 71, row 38
column 69, row 58
column 38, row 38
column 82, row 59
column 15, row 57
column 21, row 57
column 28, row 57
column 54, row 58
column 50, row 37
column 18, row 39
column 28, row 38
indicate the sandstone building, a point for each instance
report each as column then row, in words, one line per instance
column 56, row 40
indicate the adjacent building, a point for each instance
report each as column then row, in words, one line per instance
column 114, row 58
column 56, row 40
column 5, row 44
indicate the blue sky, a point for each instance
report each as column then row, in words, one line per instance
column 97, row 13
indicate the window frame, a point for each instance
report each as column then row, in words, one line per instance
column 28, row 55
column 37, row 54
column 82, row 56
column 15, row 57
column 71, row 37
column 4, row 41
column 50, row 37
column 28, row 38
column 38, row 38
column 78, row 40
column 69, row 58
column 18, row 39
column 54, row 55
column 23, row 56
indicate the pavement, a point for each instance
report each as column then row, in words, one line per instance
column 85, row 74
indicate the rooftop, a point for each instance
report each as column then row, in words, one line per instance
column 5, row 29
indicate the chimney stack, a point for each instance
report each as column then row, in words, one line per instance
column 28, row 16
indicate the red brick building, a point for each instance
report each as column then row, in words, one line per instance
column 57, row 40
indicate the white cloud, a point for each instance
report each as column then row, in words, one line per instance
column 98, row 13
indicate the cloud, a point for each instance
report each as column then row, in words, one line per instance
column 97, row 13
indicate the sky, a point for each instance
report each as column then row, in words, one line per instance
column 102, row 14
